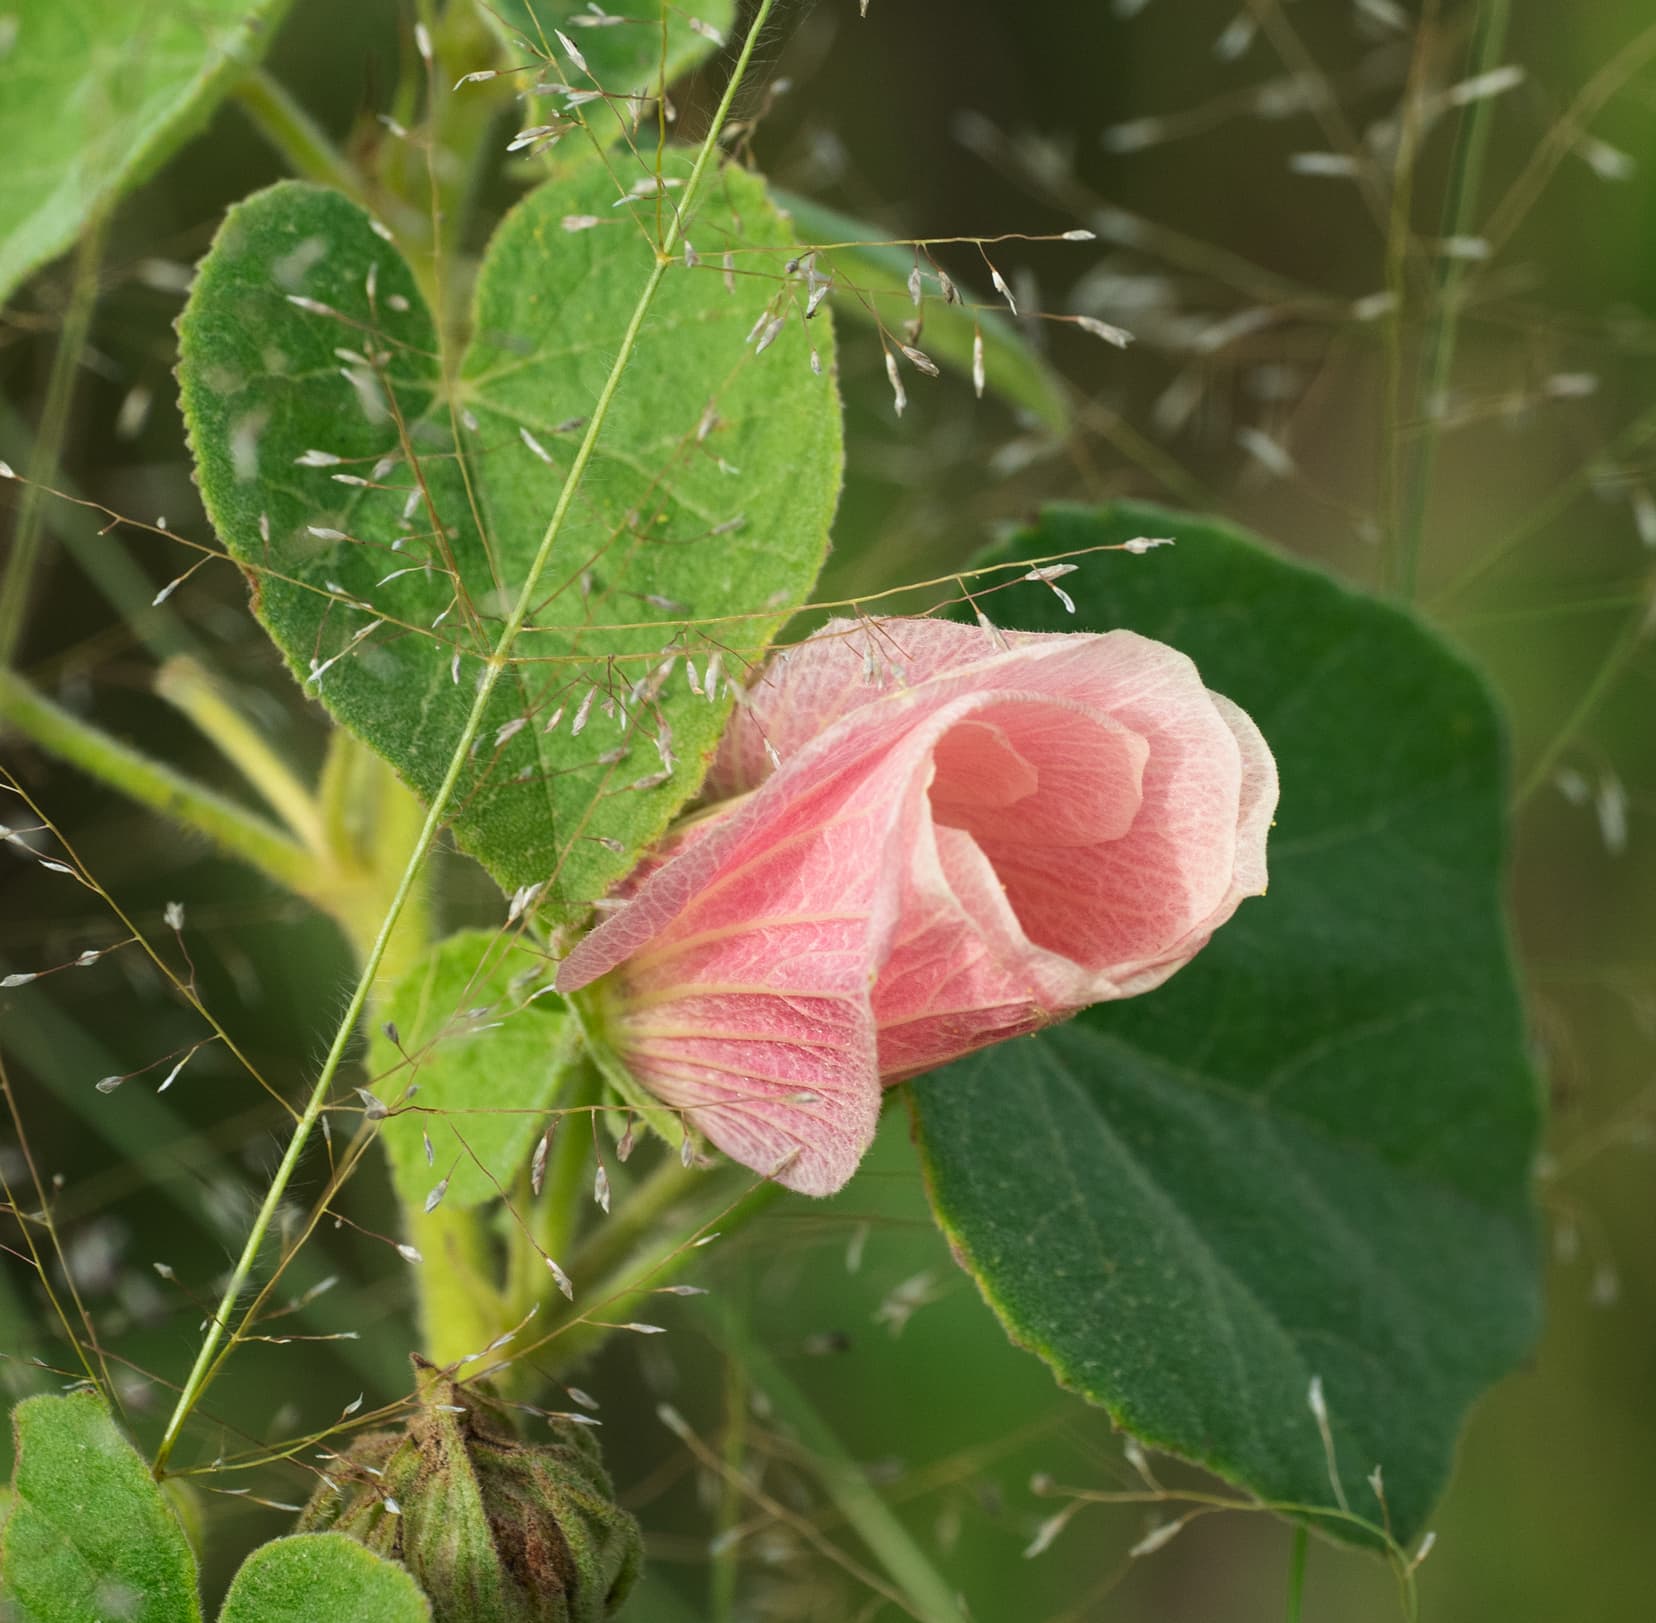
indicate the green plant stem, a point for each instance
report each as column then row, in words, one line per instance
column 206, row 1361
column 24, row 557
column 1438, row 353
column 639, row 1250
column 460, row 1314
column 298, row 139
column 233, row 829
column 1296, row 1574
column 350, row 891
column 930, row 1595
column 565, row 1193
column 304, row 146
column 396, row 820
column 190, row 688
column 644, row 1215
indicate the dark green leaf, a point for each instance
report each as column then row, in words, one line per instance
column 315, row 1576
column 89, row 1535
column 709, row 495
column 97, row 94
column 871, row 279
column 1309, row 1154
column 488, row 1057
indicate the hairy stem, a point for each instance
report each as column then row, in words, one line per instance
column 460, row 1314
column 436, row 815
column 233, row 829
column 54, row 420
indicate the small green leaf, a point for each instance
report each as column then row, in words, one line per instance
column 1309, row 1153
column 98, row 94
column 89, row 1535
column 488, row 1057
column 708, row 497
column 643, row 49
column 313, row 1576
column 871, row 279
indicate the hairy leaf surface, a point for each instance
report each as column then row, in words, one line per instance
column 388, row 511
column 311, row 1576
column 89, row 1534
column 487, row 1056
column 97, row 94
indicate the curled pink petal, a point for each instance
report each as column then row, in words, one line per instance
column 941, row 837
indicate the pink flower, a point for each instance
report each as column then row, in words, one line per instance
column 964, row 836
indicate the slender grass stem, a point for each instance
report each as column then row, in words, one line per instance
column 1622, row 650
column 155, row 1149
column 24, row 557
column 107, row 564
column 667, row 1187
column 1399, row 241
column 725, row 1565
column 929, row 1594
column 1548, row 509
column 1438, row 348
column 493, row 669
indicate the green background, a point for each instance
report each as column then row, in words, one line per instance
column 1548, row 1514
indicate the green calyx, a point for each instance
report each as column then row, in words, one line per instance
column 495, row 1528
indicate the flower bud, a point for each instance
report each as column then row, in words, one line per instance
column 495, row 1528
column 926, row 837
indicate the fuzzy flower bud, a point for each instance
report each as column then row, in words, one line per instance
column 496, row 1529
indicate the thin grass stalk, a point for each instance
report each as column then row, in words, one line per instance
column 1442, row 327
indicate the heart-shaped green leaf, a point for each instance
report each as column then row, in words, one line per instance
column 97, row 94
column 89, row 1534
column 487, row 1055
column 388, row 517
column 1309, row 1154
column 322, row 1575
